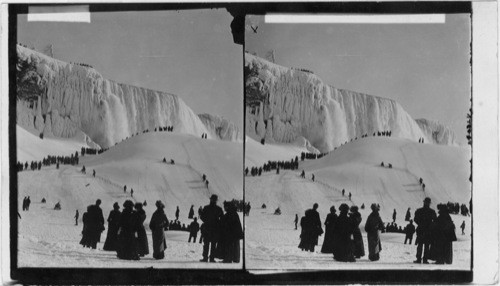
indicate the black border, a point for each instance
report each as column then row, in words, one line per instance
column 60, row 276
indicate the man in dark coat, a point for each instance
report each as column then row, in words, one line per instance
column 424, row 217
column 127, row 241
column 232, row 233
column 193, row 230
column 95, row 220
column 373, row 226
column 210, row 216
column 311, row 229
column 409, row 231
column 177, row 213
column 113, row 224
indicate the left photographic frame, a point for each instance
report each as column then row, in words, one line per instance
column 127, row 137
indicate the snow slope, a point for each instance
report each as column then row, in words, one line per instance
column 271, row 240
column 59, row 98
column 283, row 104
column 437, row 132
column 49, row 238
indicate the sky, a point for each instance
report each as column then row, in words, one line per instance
column 188, row 53
column 424, row 67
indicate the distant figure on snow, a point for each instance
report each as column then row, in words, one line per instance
column 409, row 231
column 177, row 213
column 312, row 177
column 191, row 212
column 382, row 164
column 83, row 170
column 408, row 215
column 343, row 192
column 43, row 201
column 125, row 188
column 132, row 192
column 296, row 220
column 93, row 173
column 77, row 215
column 193, row 230
column 264, row 206
column 394, row 216
column 350, row 195
column 277, row 211
column 57, row 207
column 462, row 226
column 172, row 161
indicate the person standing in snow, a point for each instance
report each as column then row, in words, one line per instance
column 462, row 226
column 232, row 233
column 330, row 220
column 131, row 192
column 394, row 216
column 342, row 236
column 343, row 192
column 85, row 241
column 191, row 212
column 125, row 188
column 211, row 216
column 193, row 230
column 28, row 203
column 142, row 239
column 350, row 195
column 443, row 235
column 95, row 223
column 373, row 226
column 113, row 224
column 358, row 246
column 408, row 215
column 157, row 225
column 77, row 215
column 311, row 229
column 177, row 213
column 93, row 173
column 409, row 231
column 296, row 220
column 424, row 217
column 200, row 210
column 127, row 241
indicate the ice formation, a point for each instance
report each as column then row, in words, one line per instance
column 283, row 104
column 437, row 132
column 220, row 127
column 60, row 99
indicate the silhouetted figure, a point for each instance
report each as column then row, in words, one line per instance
column 312, row 177
column 172, row 161
column 409, row 231
column 390, row 166
column 311, row 229
column 204, row 177
column 350, row 195
column 85, row 241
column 443, row 234
column 264, row 206
column 394, row 216
column 462, row 226
column 164, row 160
column 83, row 170
column 77, row 215
column 57, row 207
column 424, row 217
column 125, row 188
column 343, row 192
column 342, row 236
column 177, row 213
column 296, row 220
column 157, row 225
column 363, row 206
column 373, row 226
column 191, row 212
column 210, row 216
column 193, row 230
column 111, row 242
column 142, row 239
column 408, row 215
column 232, row 233
column 382, row 164
column 127, row 241
column 277, row 211
column 144, row 203
column 358, row 246
column 200, row 210
column 95, row 223
column 423, row 187
column 303, row 174
column 93, row 173
column 43, row 201
column 132, row 192
column 330, row 220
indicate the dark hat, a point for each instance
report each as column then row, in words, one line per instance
column 344, row 208
column 128, row 204
column 159, row 204
column 427, row 200
column 214, row 197
column 375, row 207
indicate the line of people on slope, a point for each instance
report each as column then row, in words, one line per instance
column 435, row 234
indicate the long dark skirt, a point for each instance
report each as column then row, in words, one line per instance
column 374, row 246
column 85, row 241
column 142, row 242
column 111, row 242
column 159, row 244
column 359, row 247
column 328, row 241
column 127, row 246
column 442, row 252
column 231, row 251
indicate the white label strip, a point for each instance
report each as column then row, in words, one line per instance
column 69, row 13
column 355, row 19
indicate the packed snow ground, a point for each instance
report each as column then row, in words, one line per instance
column 271, row 241
column 49, row 238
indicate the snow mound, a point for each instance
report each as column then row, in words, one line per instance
column 283, row 104
column 61, row 99
column 220, row 127
column 437, row 132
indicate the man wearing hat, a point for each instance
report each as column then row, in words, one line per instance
column 210, row 216
column 424, row 217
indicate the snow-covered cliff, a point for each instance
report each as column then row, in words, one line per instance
column 437, row 132
column 220, row 127
column 283, row 104
column 60, row 99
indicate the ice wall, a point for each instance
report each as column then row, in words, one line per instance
column 283, row 104
column 437, row 132
column 220, row 127
column 59, row 98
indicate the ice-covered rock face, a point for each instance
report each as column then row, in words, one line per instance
column 437, row 132
column 283, row 104
column 60, row 99
column 221, row 128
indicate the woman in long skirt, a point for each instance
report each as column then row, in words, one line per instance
column 342, row 236
column 85, row 241
column 443, row 234
column 359, row 247
column 113, row 225
column 372, row 227
column 232, row 233
column 329, row 226
column 157, row 225
column 142, row 239
column 127, row 242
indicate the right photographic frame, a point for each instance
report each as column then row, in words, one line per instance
column 358, row 141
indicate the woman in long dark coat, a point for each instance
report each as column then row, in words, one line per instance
column 330, row 220
column 372, row 227
column 443, row 234
column 191, row 212
column 232, row 233
column 127, row 242
column 342, row 236
column 85, row 241
column 142, row 238
column 113, row 225
column 157, row 225
column 359, row 247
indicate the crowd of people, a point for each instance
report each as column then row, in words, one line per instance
column 92, row 151
column 48, row 161
column 435, row 233
column 221, row 231
column 26, row 203
column 293, row 164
